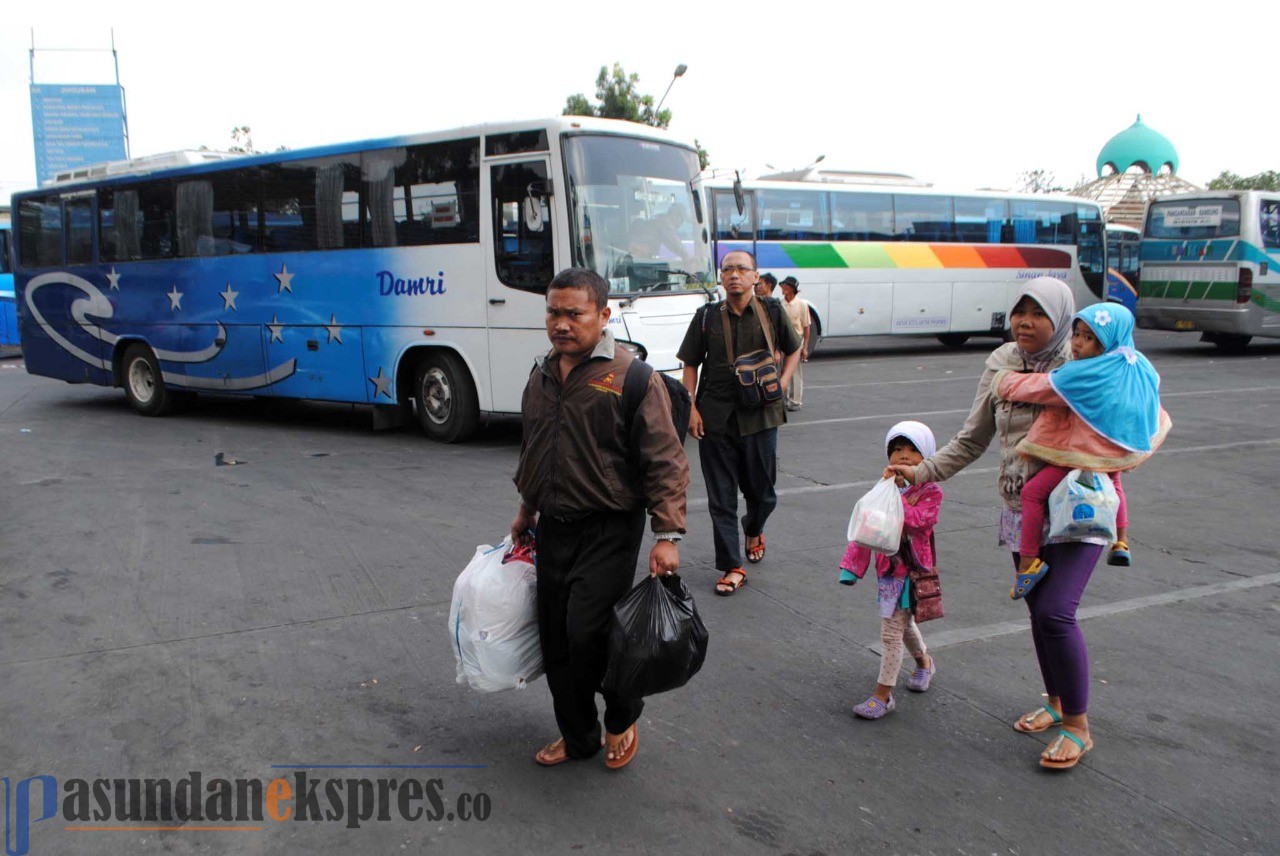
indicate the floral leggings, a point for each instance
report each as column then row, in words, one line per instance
column 900, row 628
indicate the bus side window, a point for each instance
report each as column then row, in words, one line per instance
column 1270, row 221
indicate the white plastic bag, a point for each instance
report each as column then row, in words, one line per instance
column 1083, row 505
column 876, row 521
column 493, row 621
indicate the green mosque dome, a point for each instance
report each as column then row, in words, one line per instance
column 1140, row 146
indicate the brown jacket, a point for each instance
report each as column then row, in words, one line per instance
column 576, row 456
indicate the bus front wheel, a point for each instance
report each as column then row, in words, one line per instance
column 953, row 340
column 144, row 384
column 446, row 398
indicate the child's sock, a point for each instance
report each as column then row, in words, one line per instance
column 847, row 578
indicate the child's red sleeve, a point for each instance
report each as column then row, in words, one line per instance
column 923, row 516
column 1028, row 388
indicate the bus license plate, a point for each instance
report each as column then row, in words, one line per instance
column 1184, row 325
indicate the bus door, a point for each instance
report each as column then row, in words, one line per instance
column 521, row 265
column 78, row 214
column 734, row 229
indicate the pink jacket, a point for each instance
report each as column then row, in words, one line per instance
column 918, row 522
column 1062, row 438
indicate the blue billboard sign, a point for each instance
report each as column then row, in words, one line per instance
column 75, row 125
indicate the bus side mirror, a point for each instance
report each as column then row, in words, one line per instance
column 739, row 198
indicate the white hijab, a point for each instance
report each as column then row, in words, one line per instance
column 917, row 432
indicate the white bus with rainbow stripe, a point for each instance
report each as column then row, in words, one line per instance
column 881, row 259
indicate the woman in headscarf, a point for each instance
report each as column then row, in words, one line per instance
column 1041, row 326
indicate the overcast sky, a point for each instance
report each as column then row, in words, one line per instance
column 961, row 94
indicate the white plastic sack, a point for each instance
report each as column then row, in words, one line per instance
column 493, row 621
column 876, row 521
column 1083, row 505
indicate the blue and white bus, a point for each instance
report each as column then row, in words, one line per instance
column 407, row 272
column 1122, row 265
column 1209, row 264
column 893, row 256
column 8, row 307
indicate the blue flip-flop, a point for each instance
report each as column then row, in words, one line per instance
column 1027, row 580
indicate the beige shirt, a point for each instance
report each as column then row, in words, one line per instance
column 798, row 312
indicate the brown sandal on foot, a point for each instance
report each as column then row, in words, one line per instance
column 754, row 554
column 546, row 756
column 729, row 585
column 624, row 758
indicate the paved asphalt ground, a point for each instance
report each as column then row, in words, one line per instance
column 161, row 615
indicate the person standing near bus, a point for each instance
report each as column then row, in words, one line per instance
column 798, row 313
column 586, row 476
column 765, row 285
column 737, row 444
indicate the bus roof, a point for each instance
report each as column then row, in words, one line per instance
column 1216, row 194
column 927, row 190
column 174, row 164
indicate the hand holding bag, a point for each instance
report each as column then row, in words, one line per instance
column 657, row 640
column 1083, row 505
column 759, row 381
column 877, row 518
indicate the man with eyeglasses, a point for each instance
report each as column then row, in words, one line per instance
column 737, row 444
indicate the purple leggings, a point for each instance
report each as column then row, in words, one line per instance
column 1060, row 648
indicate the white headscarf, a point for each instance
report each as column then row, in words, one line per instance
column 917, row 432
column 1054, row 297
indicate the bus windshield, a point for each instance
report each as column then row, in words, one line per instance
column 635, row 216
column 1194, row 219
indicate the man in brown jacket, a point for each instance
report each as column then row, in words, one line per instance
column 585, row 478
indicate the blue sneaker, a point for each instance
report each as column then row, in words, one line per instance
column 1027, row 580
column 1120, row 555
column 847, row 578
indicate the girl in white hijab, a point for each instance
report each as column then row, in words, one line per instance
column 907, row 444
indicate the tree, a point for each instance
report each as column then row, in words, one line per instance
column 242, row 137
column 618, row 97
column 1226, row 180
column 1038, row 181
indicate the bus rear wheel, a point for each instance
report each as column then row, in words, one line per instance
column 953, row 340
column 144, row 385
column 1229, row 343
column 446, row 398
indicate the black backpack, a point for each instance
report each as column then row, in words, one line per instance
column 633, row 389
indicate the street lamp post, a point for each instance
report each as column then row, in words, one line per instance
column 680, row 70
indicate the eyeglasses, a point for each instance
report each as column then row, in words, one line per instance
column 736, row 269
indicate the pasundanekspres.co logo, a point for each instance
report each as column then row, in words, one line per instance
column 199, row 802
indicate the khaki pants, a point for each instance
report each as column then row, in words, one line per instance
column 795, row 389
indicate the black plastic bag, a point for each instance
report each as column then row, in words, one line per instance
column 657, row 641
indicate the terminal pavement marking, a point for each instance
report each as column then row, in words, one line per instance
column 701, row 501
column 977, row 634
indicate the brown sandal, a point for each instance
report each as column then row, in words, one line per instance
column 730, row 586
column 543, row 756
column 622, row 760
column 754, row 554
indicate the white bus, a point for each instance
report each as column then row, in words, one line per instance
column 1209, row 264
column 406, row 272
column 875, row 259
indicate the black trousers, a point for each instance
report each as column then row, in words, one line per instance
column 731, row 463
column 584, row 568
